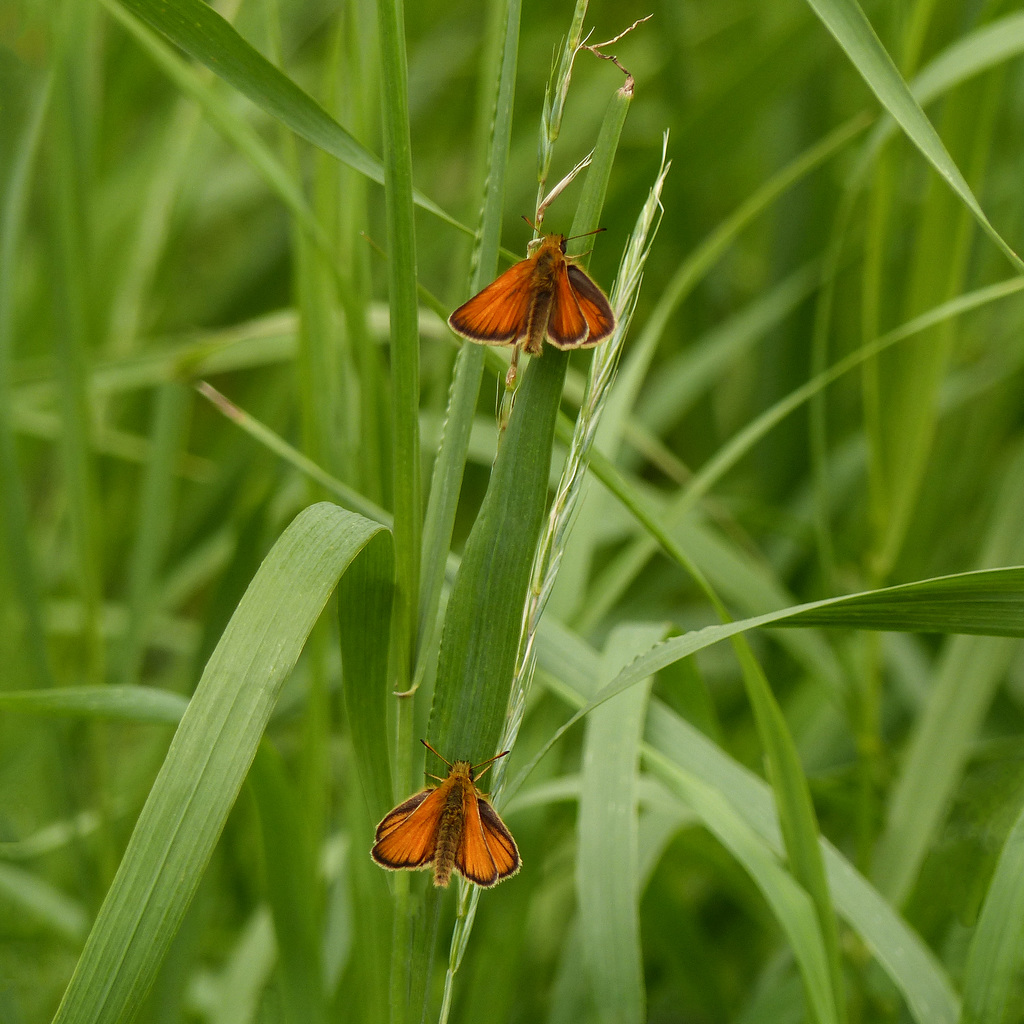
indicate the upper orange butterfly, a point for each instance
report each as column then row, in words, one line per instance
column 545, row 295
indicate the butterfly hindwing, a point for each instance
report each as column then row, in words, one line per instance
column 593, row 304
column 497, row 315
column 500, row 844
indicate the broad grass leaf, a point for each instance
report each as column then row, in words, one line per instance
column 607, row 856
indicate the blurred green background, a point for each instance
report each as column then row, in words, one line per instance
column 155, row 232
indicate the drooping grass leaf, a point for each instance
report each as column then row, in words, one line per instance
column 852, row 30
column 203, row 34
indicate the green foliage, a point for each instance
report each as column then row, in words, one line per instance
column 225, row 236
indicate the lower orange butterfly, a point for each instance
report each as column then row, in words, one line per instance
column 545, row 295
column 449, row 827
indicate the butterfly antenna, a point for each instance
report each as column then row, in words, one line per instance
column 596, row 231
column 490, row 761
column 436, row 754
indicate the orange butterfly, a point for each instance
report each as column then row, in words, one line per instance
column 544, row 295
column 450, row 826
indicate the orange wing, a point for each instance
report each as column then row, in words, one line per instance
column 567, row 327
column 487, row 853
column 407, row 836
column 473, row 859
column 502, row 846
column 497, row 315
column 395, row 817
column 594, row 305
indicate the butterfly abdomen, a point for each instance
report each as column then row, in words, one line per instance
column 546, row 263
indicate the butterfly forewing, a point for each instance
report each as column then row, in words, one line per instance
column 473, row 860
column 395, row 818
column 593, row 304
column 567, row 326
column 497, row 315
column 407, row 837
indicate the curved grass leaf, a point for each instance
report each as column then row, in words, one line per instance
column 852, row 30
column 209, row 757
column 987, row 602
column 204, row 35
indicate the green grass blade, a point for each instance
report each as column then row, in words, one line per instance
column 485, row 609
column 446, row 481
column 208, row 760
column 792, row 907
column 991, row 978
column 405, row 406
column 949, row 727
column 41, row 903
column 484, row 617
column 989, row 602
column 292, row 885
column 799, row 825
column 155, row 518
column 125, row 703
column 626, row 566
column 72, row 348
column 911, row 965
column 364, row 615
column 607, row 862
column 203, row 34
column 14, row 186
column 404, row 335
column 852, row 30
